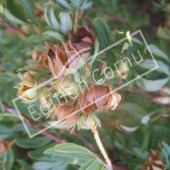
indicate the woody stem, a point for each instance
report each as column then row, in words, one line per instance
column 101, row 147
column 5, row 24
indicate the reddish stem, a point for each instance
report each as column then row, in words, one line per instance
column 5, row 24
column 137, row 89
column 13, row 111
column 53, row 137
column 143, row 92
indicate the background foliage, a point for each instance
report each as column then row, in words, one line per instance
column 132, row 130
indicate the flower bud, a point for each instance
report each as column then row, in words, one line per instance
column 123, row 70
column 67, row 86
column 37, row 56
column 89, row 122
column 27, row 91
column 45, row 99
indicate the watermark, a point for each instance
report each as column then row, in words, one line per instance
column 35, row 110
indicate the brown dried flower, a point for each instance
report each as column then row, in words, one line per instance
column 62, row 61
column 154, row 161
column 103, row 96
column 84, row 38
column 67, row 114
column 4, row 146
column 98, row 96
column 84, row 104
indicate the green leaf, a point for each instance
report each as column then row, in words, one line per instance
column 9, row 159
column 102, row 31
column 74, row 154
column 2, row 1
column 23, row 164
column 96, row 50
column 92, row 164
column 76, row 3
column 156, row 51
column 140, row 154
column 1, row 53
column 5, row 131
column 145, row 119
column 32, row 77
column 54, row 20
column 163, row 33
column 28, row 68
column 6, row 77
column 149, row 64
column 47, row 16
column 35, row 142
column 38, row 153
column 77, row 77
column 65, row 22
column 64, row 4
column 1, row 107
column 153, row 85
column 51, row 165
column 86, row 5
column 166, row 147
column 16, row 10
column 133, row 109
column 41, row 74
column 37, row 39
column 114, row 4
column 165, row 157
column 28, row 7
column 2, row 115
column 129, row 129
column 12, row 18
column 103, row 34
column 51, row 18
column 55, row 35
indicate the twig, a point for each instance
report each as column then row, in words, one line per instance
column 100, row 145
column 4, row 23
column 143, row 92
column 13, row 111
column 53, row 137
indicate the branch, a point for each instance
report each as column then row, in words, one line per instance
column 13, row 111
column 143, row 92
column 5, row 24
column 53, row 137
